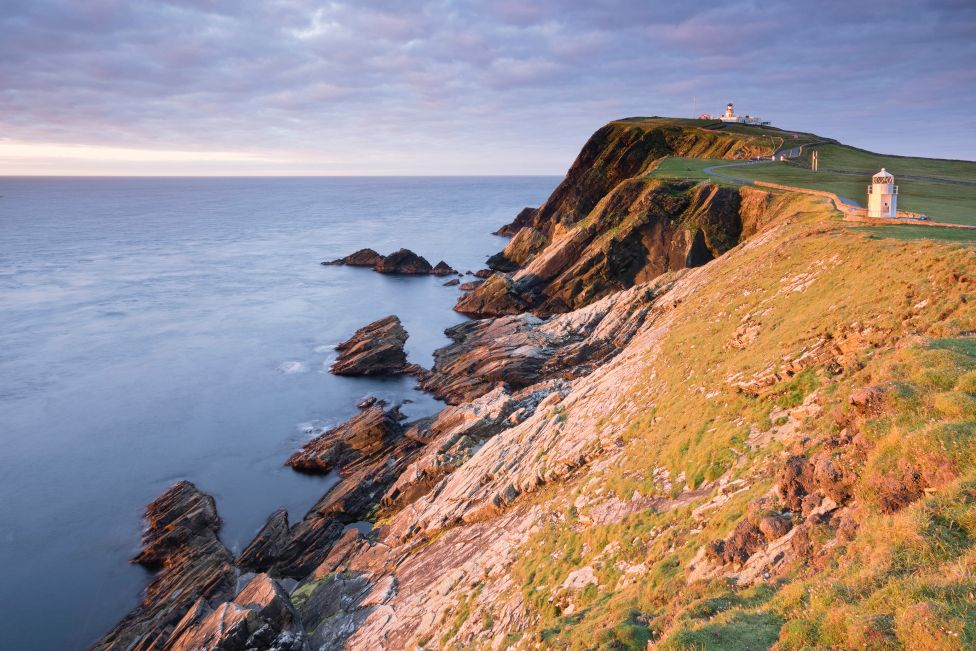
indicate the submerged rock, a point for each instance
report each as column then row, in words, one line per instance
column 181, row 541
column 376, row 349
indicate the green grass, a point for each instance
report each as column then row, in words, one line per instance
column 686, row 168
column 919, row 233
column 945, row 190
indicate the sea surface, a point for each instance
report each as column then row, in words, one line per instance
column 159, row 329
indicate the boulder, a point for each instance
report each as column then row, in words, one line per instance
column 452, row 282
column 376, row 349
column 194, row 566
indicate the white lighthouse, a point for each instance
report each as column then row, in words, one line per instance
column 882, row 195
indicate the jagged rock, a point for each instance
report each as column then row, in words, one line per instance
column 181, row 541
column 452, row 282
column 260, row 616
column 268, row 545
column 454, row 435
column 638, row 231
column 522, row 350
column 523, row 247
column 366, row 434
column 525, row 218
column 404, row 261
column 376, row 349
column 483, row 273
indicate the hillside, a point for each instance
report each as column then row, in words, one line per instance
column 701, row 415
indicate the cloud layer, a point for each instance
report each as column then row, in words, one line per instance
column 434, row 87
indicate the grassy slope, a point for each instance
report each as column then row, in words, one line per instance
column 906, row 580
column 943, row 189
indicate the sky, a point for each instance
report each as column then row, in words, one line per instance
column 296, row 87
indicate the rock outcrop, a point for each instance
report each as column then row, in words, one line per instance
column 361, row 258
column 521, row 350
column 366, row 434
column 402, row 261
column 525, row 218
column 639, row 230
column 180, row 541
column 260, row 616
column 376, row 349
column 526, row 243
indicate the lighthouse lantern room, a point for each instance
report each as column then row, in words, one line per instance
column 882, row 195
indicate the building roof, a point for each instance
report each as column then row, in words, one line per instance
column 884, row 173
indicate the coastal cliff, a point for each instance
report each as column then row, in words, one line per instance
column 697, row 416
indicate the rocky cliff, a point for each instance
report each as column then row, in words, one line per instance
column 775, row 449
column 608, row 226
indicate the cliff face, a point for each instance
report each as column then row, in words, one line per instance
column 625, row 149
column 772, row 450
column 638, row 231
column 607, row 226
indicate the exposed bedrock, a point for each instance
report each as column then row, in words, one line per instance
column 375, row 349
column 402, row 261
column 180, row 541
column 369, row 451
column 617, row 152
column 639, row 230
column 522, row 350
column 526, row 243
column 260, row 616
column 525, row 218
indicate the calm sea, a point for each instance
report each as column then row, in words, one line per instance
column 159, row 329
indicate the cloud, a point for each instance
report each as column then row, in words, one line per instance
column 372, row 87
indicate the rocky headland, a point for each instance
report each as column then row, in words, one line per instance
column 689, row 416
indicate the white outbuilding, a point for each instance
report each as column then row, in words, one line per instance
column 883, row 195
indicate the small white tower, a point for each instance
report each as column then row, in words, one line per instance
column 729, row 111
column 882, row 195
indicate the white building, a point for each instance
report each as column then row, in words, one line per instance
column 730, row 116
column 882, row 195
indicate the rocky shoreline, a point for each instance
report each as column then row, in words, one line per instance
column 565, row 323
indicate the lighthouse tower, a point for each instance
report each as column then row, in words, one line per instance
column 882, row 195
column 729, row 112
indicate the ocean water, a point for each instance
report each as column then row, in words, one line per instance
column 159, row 329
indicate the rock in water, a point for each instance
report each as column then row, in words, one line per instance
column 442, row 269
column 181, row 540
column 404, row 261
column 366, row 434
column 376, row 349
column 361, row 258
